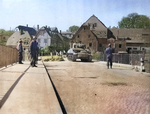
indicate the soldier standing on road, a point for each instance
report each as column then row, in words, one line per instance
column 33, row 52
column 20, row 51
column 109, row 56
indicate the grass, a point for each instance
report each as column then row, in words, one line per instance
column 52, row 58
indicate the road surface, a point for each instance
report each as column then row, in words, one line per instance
column 91, row 88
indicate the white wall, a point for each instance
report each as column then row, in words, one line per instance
column 42, row 37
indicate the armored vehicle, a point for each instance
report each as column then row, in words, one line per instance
column 79, row 52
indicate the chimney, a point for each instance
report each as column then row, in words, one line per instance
column 60, row 31
column 37, row 27
column 27, row 25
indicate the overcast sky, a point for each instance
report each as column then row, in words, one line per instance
column 65, row 13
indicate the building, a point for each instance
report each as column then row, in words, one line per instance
column 131, row 39
column 67, row 34
column 94, row 34
column 25, row 34
column 47, row 36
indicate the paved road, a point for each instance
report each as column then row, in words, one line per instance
column 90, row 88
column 27, row 90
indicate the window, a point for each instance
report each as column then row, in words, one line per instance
column 143, row 49
column 89, row 35
column 95, row 24
column 145, row 34
column 78, row 36
column 45, row 40
column 100, row 45
column 90, row 44
column 120, row 45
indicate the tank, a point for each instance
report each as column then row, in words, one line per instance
column 79, row 52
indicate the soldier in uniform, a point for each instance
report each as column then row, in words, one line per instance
column 109, row 56
column 20, row 51
column 33, row 51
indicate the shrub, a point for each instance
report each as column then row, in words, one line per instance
column 96, row 56
column 52, row 58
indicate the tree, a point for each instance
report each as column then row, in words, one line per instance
column 134, row 20
column 4, row 32
column 73, row 28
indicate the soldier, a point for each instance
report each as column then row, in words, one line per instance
column 109, row 56
column 33, row 52
column 20, row 51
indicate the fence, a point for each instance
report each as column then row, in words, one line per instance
column 8, row 56
column 132, row 59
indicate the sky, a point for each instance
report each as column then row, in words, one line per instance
column 65, row 13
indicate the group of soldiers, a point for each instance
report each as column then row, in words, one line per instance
column 33, row 50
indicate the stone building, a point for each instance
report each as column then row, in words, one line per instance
column 94, row 34
column 131, row 39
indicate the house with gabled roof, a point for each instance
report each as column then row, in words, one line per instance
column 25, row 34
column 94, row 34
column 47, row 36
column 131, row 39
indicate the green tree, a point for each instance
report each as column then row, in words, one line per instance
column 73, row 28
column 4, row 32
column 134, row 20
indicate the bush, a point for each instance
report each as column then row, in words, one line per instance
column 96, row 56
column 52, row 58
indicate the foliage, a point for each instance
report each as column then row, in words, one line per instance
column 47, row 50
column 3, row 42
column 96, row 56
column 4, row 32
column 52, row 58
column 73, row 28
column 134, row 20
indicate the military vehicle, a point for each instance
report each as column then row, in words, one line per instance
column 79, row 52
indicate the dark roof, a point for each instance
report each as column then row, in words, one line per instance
column 99, row 34
column 30, row 30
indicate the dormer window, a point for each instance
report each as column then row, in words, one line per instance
column 95, row 24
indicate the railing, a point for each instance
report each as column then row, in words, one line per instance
column 132, row 59
column 8, row 55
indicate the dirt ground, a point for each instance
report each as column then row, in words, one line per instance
column 91, row 88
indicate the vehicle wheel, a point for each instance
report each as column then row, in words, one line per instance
column 83, row 60
column 90, row 59
column 73, row 58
